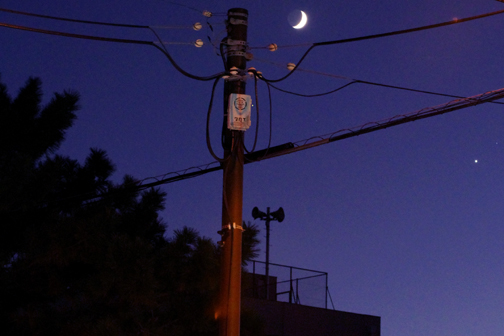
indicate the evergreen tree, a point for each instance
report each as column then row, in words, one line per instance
column 84, row 256
column 28, row 132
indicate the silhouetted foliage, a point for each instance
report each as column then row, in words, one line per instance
column 81, row 255
column 250, row 241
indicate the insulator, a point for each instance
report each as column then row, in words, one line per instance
column 233, row 71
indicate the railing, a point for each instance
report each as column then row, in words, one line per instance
column 287, row 284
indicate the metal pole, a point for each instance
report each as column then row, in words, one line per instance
column 228, row 312
column 291, row 289
column 268, row 218
column 326, row 290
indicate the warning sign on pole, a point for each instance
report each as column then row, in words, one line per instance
column 239, row 108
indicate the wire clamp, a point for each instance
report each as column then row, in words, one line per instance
column 236, row 42
column 238, row 22
column 237, row 227
column 236, row 53
column 238, row 14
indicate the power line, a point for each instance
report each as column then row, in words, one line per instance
column 354, row 81
column 291, row 147
column 79, row 36
column 72, row 20
column 312, row 95
column 316, row 141
column 368, row 37
column 124, row 25
column 300, row 145
column 115, row 40
column 204, row 12
column 369, row 127
column 184, row 5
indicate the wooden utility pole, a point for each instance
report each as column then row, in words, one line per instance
column 228, row 312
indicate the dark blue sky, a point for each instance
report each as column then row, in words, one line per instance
column 405, row 221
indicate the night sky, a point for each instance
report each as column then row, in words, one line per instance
column 407, row 221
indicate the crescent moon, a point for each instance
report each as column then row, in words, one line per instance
column 302, row 23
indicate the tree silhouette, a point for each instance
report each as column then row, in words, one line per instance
column 27, row 133
column 82, row 255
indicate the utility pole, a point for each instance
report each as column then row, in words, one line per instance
column 228, row 311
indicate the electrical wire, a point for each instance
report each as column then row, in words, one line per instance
column 140, row 185
column 331, row 137
column 73, row 20
column 270, row 124
column 285, row 46
column 204, row 12
column 79, row 36
column 357, row 81
column 116, row 40
column 301, row 145
column 312, row 95
column 271, row 118
column 184, row 5
column 396, row 120
column 221, row 49
column 257, row 118
column 216, row 46
column 368, row 37
column 217, row 77
column 209, row 113
column 164, row 50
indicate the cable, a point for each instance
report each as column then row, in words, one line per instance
column 357, row 81
column 261, row 154
column 313, row 95
column 285, row 46
column 204, row 12
column 186, row 6
column 393, row 121
column 289, row 148
column 416, row 90
column 257, row 118
column 208, row 141
column 116, row 40
column 368, row 37
column 73, row 20
column 221, row 49
column 340, row 135
column 270, row 120
column 92, row 22
column 79, row 36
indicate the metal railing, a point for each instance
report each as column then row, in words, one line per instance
column 287, row 284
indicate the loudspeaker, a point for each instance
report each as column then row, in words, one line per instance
column 256, row 213
column 279, row 215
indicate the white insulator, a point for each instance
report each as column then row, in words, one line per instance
column 198, row 43
column 197, row 26
column 291, row 66
column 207, row 13
column 233, row 71
column 273, row 47
column 251, row 72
